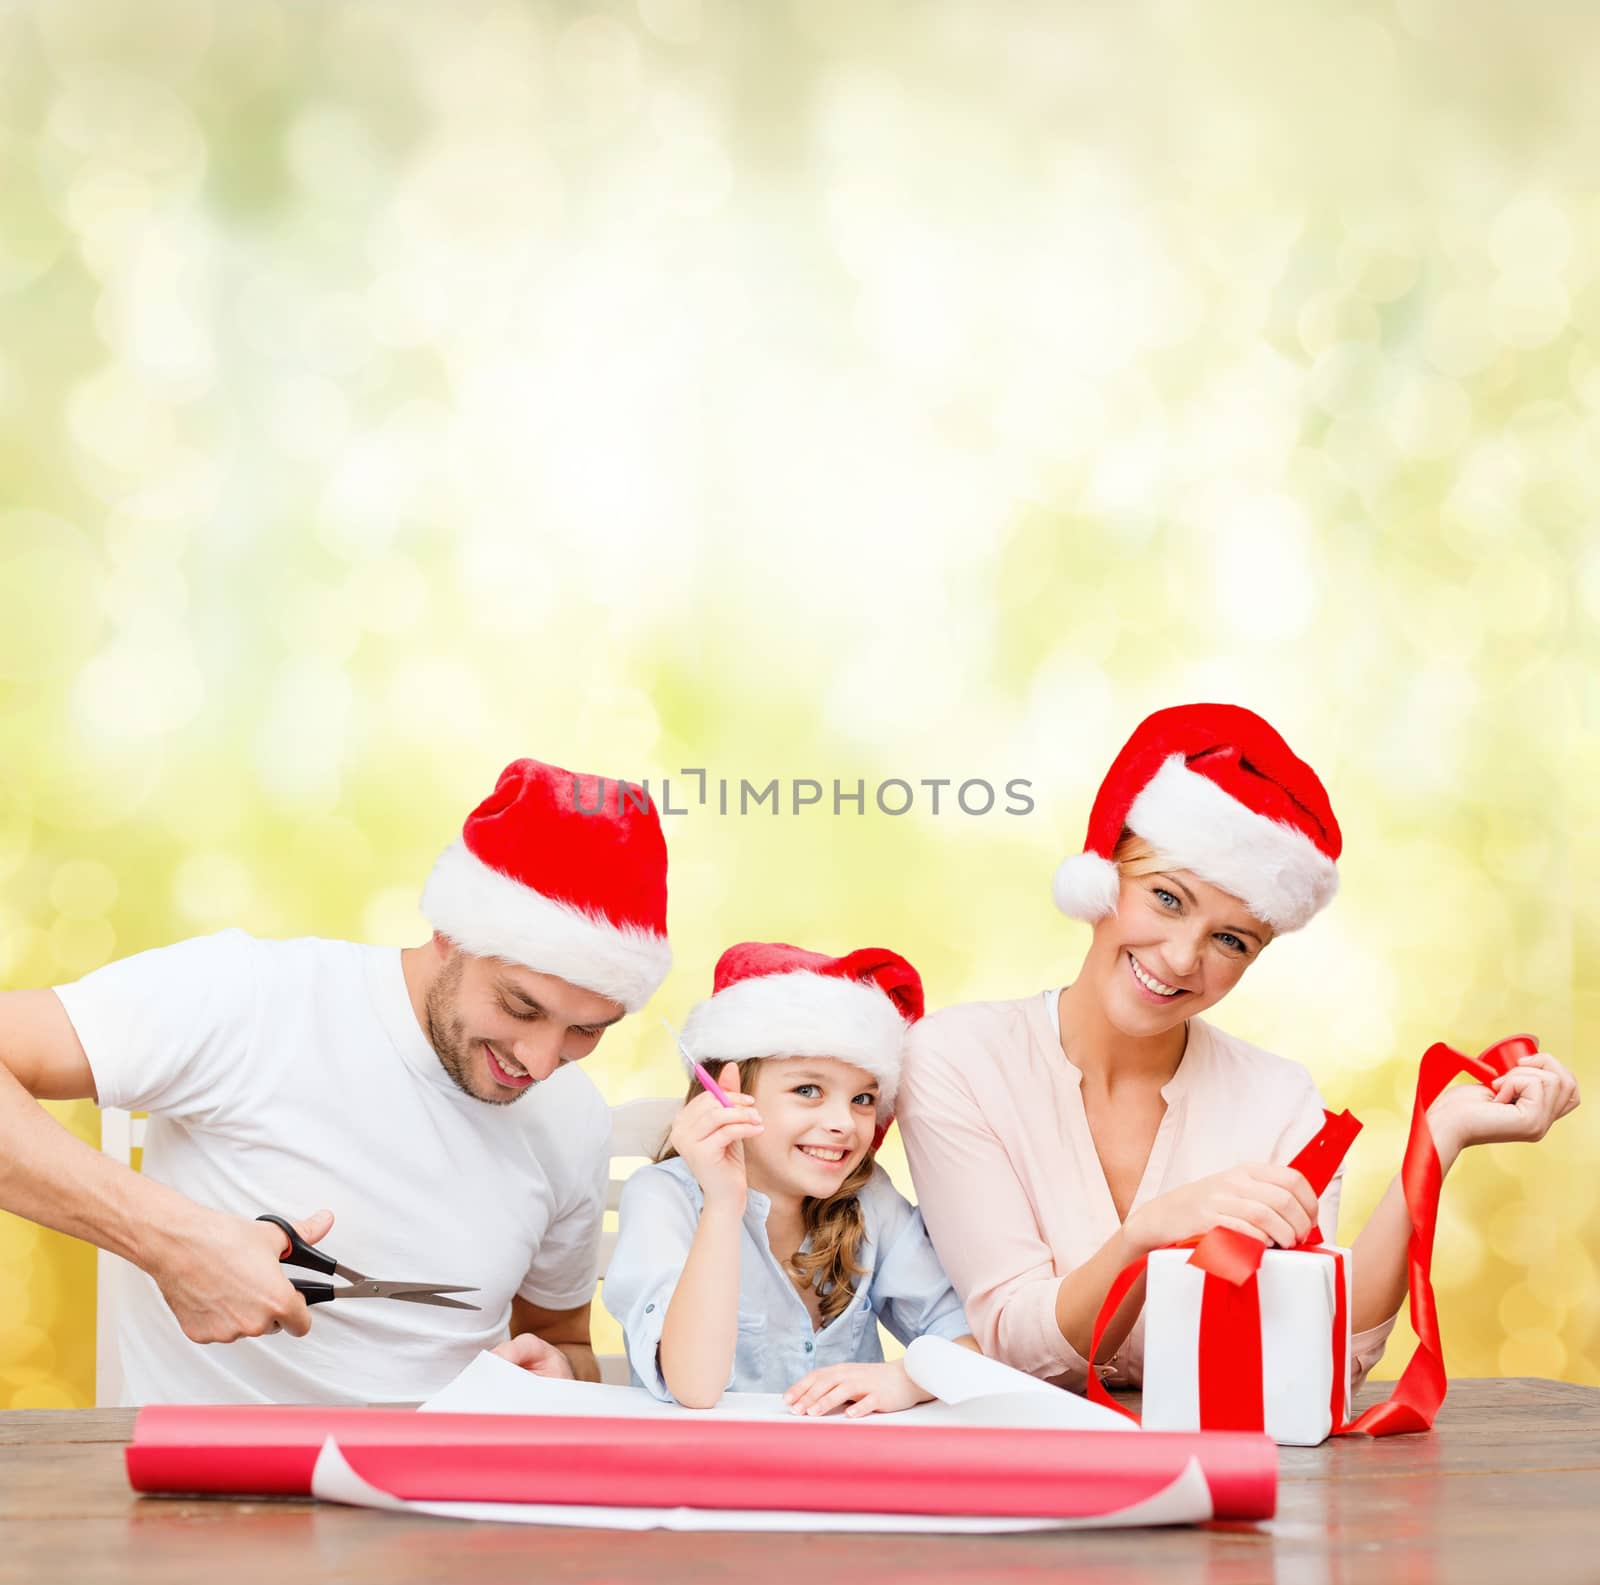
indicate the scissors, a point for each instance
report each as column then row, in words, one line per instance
column 310, row 1258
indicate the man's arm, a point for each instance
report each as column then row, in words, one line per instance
column 220, row 1274
column 567, row 1330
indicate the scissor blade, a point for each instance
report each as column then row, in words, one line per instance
column 415, row 1292
column 432, row 1296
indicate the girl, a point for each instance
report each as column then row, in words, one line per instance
column 1055, row 1139
column 760, row 1253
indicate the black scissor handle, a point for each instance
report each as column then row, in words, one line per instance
column 313, row 1292
column 300, row 1253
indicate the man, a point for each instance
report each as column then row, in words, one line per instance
column 391, row 1086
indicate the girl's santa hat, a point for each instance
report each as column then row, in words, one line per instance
column 565, row 874
column 1213, row 789
column 773, row 1000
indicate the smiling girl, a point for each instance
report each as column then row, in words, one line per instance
column 761, row 1252
column 1055, row 1139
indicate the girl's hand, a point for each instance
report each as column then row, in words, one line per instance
column 1273, row 1204
column 535, row 1356
column 867, row 1389
column 1522, row 1105
column 710, row 1138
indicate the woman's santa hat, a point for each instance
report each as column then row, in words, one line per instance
column 565, row 874
column 1213, row 789
column 773, row 1000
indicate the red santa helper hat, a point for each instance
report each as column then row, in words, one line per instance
column 565, row 874
column 773, row 1000
column 1214, row 789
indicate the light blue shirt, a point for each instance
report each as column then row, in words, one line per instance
column 902, row 1285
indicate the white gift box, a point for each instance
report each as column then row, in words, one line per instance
column 1302, row 1355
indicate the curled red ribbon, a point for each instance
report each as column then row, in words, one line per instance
column 1422, row 1385
column 1230, row 1328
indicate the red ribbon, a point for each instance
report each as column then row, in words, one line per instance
column 1230, row 1307
column 1422, row 1385
column 1230, row 1316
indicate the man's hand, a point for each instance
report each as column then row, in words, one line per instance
column 537, row 1356
column 867, row 1389
column 221, row 1275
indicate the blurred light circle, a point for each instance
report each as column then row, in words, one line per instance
column 393, row 918
column 22, row 1343
column 1456, row 337
column 1343, row 376
column 307, row 417
column 1515, row 594
column 214, row 889
column 675, row 21
column 1379, row 262
column 692, row 174
column 16, row 825
column 1521, row 1310
column 50, row 609
column 391, row 594
column 1432, row 418
column 1528, row 311
column 1334, row 316
column 1531, row 236
column 83, row 889
column 81, row 945
column 1535, row 1352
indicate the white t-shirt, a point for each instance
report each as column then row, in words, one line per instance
column 286, row 1076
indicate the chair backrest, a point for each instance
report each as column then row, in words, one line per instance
column 121, row 1133
column 638, row 1130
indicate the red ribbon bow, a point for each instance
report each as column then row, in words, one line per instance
column 1230, row 1314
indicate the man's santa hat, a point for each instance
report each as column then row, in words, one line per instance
column 1213, row 789
column 773, row 1000
column 565, row 874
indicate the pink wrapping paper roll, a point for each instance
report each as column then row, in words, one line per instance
column 813, row 1467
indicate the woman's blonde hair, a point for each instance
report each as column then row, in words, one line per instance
column 1134, row 857
column 835, row 1225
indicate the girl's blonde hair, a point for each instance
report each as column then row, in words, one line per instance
column 835, row 1225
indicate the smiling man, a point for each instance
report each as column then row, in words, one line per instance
column 430, row 1098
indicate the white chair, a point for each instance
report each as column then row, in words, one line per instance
column 638, row 1129
column 121, row 1133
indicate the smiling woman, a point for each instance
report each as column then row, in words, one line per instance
column 1056, row 1139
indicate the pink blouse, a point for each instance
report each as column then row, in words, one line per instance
column 1010, row 1184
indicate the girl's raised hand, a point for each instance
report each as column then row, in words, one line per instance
column 710, row 1138
column 1274, row 1204
column 1522, row 1105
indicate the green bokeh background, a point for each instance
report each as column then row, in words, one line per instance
column 811, row 389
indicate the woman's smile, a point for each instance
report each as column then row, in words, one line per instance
column 1150, row 987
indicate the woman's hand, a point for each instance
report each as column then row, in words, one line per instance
column 710, row 1138
column 867, row 1389
column 1521, row 1105
column 1273, row 1204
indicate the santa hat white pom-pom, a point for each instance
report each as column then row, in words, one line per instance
column 1087, row 886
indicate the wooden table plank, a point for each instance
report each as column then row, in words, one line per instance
column 1506, row 1487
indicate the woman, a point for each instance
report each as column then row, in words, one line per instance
column 1055, row 1139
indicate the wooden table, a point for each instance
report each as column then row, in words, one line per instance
column 1506, row 1489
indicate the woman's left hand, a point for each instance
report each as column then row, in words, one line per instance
column 867, row 1389
column 535, row 1356
column 1522, row 1105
